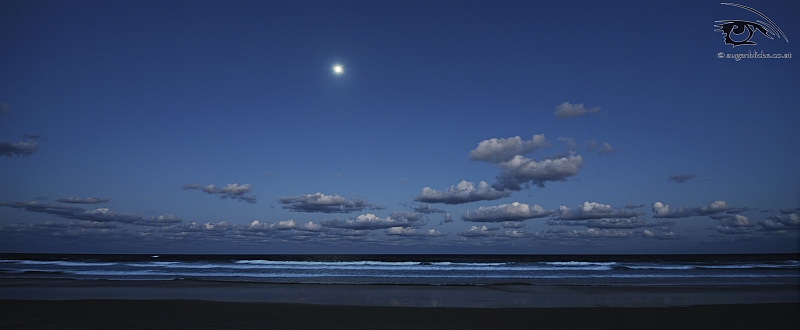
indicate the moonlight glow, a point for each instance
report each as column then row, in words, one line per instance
column 338, row 69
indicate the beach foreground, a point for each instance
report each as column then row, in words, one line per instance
column 197, row 314
column 187, row 304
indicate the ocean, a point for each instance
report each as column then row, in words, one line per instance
column 570, row 270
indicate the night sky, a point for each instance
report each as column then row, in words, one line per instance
column 450, row 127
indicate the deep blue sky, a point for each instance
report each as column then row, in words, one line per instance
column 172, row 126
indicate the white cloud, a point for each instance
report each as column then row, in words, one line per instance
column 447, row 218
column 593, row 210
column 426, row 208
column 105, row 214
column 513, row 233
column 232, row 191
column 499, row 150
column 79, row 200
column 231, row 188
column 737, row 220
column 514, row 224
column 789, row 220
column 97, row 215
column 567, row 110
column 774, row 225
column 596, row 233
column 311, row 226
column 91, row 224
column 506, row 212
column 411, row 232
column 463, row 192
column 781, row 222
column 371, row 221
column 476, row 231
column 208, row 226
column 662, row 210
column 20, row 149
column 161, row 220
column 520, row 170
column 605, row 149
column 256, row 225
column 662, row 235
column 346, row 233
column 619, row 223
column 321, row 203
column 714, row 207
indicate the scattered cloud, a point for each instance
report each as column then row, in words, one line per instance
column 506, row 212
column 500, row 150
column 412, row 232
column 97, row 215
column 521, row 171
column 789, row 220
column 781, row 222
column 447, row 218
column 220, row 227
column 514, row 224
column 35, row 206
column 737, row 220
column 19, row 149
column 596, row 233
column 256, row 225
column 728, row 230
column 161, row 220
column 370, row 221
column 517, row 170
column 681, row 178
column 789, row 211
column 311, row 226
column 593, row 210
column 475, row 232
column 734, row 210
column 80, row 200
column 567, row 110
column 660, row 235
column 463, row 192
column 605, row 149
column 321, row 203
column 426, row 208
column 661, row 210
column 513, row 233
column 612, row 223
column 232, row 191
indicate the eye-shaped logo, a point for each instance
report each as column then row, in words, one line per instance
column 735, row 30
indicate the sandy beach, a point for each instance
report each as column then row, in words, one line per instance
column 197, row 314
column 69, row 304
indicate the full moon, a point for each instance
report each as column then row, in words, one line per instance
column 338, row 69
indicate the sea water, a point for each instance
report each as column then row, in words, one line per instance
column 588, row 270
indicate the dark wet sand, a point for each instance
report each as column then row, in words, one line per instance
column 198, row 314
column 100, row 304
